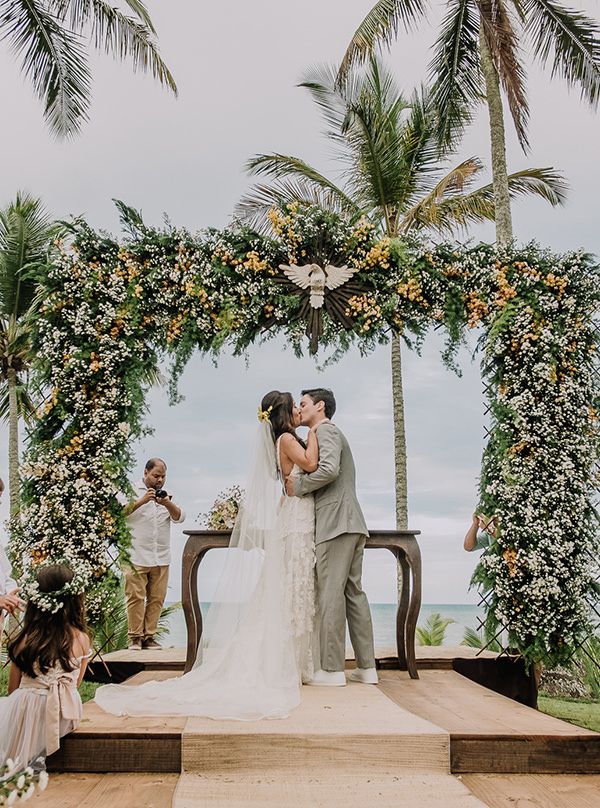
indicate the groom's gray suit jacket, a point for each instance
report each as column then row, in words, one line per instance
column 334, row 484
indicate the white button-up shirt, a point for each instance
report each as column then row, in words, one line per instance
column 150, row 526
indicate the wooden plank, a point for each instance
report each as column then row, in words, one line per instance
column 324, row 789
column 533, row 754
column 66, row 791
column 100, row 791
column 239, row 753
column 98, row 753
column 149, row 656
column 151, row 676
column 133, row 791
column 111, row 743
column 96, row 720
column 346, row 726
column 535, row 791
column 356, row 708
column 463, row 707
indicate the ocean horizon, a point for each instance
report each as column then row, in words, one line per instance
column 464, row 616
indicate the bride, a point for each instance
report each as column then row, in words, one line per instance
column 257, row 644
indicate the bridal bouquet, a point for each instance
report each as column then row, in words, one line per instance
column 224, row 510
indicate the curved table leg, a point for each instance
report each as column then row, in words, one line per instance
column 413, row 560
column 402, row 612
column 192, row 556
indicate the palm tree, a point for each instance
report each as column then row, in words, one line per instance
column 389, row 153
column 434, row 631
column 51, row 39
column 478, row 51
column 26, row 234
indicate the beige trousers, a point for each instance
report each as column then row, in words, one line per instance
column 145, row 592
column 341, row 598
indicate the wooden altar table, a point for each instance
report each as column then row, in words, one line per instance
column 403, row 544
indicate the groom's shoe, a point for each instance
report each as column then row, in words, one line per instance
column 368, row 676
column 328, row 679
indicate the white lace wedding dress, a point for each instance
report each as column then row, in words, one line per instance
column 297, row 526
column 256, row 644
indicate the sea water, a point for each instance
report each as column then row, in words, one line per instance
column 384, row 623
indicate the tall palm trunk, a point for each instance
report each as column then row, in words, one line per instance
column 504, row 231
column 399, row 437
column 13, row 442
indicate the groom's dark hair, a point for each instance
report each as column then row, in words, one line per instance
column 324, row 395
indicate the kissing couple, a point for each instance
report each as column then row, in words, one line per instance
column 291, row 580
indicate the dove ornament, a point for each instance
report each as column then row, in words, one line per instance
column 317, row 279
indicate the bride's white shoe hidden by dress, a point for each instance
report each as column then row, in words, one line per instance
column 328, row 679
column 368, row 676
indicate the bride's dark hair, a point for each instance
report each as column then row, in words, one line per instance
column 280, row 407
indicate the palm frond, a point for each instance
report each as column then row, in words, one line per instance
column 419, row 147
column 26, row 234
column 502, row 41
column 53, row 58
column 331, row 100
column 375, row 131
column 472, row 639
column 434, row 631
column 130, row 219
column 252, row 209
column 455, row 70
column 571, row 38
column 546, row 183
column 380, row 27
column 164, row 620
column 79, row 12
column 122, row 36
column 285, row 166
column 458, row 212
column 428, row 213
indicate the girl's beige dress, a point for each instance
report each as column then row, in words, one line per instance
column 38, row 713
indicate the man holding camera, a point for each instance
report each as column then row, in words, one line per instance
column 146, row 578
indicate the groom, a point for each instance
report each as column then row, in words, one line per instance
column 340, row 538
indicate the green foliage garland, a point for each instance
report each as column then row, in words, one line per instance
column 112, row 310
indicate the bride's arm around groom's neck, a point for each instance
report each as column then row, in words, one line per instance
column 330, row 451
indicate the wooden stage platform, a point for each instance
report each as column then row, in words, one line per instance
column 440, row 723
column 501, row 674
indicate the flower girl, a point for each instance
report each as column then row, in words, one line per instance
column 49, row 656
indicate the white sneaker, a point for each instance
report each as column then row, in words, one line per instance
column 328, row 679
column 368, row 676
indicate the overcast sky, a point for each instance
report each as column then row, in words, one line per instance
column 236, row 65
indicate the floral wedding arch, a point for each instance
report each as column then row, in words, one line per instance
column 113, row 309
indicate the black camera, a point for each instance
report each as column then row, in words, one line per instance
column 160, row 493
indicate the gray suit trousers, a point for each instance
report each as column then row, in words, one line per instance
column 341, row 598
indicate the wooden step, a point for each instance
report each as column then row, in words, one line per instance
column 112, row 743
column 324, row 788
column 338, row 727
column 490, row 733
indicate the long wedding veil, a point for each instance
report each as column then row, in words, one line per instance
column 245, row 667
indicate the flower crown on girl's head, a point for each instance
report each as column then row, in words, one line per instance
column 265, row 415
column 50, row 601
